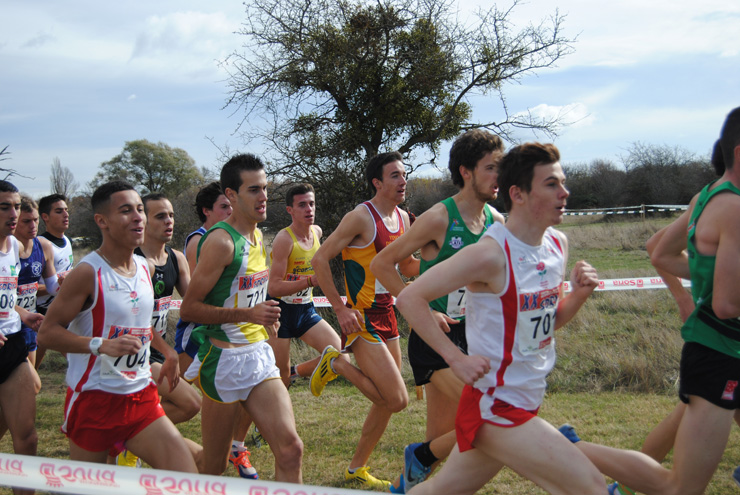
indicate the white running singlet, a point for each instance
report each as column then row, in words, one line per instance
column 10, row 266
column 515, row 328
column 121, row 305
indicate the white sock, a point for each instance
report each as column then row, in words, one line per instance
column 236, row 445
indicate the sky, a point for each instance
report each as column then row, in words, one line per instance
column 79, row 78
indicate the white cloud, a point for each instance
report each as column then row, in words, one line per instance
column 131, row 98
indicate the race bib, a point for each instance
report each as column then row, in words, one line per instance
column 536, row 320
column 252, row 289
column 8, row 295
column 128, row 367
column 27, row 296
column 301, row 297
column 159, row 315
column 456, row 303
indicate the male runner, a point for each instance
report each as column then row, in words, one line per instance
column 55, row 214
column 37, row 276
column 514, row 289
column 101, row 318
column 169, row 270
column 706, row 236
column 17, row 377
column 212, row 207
column 440, row 232
column 235, row 366
column 368, row 321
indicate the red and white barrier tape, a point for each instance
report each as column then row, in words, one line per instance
column 609, row 284
column 65, row 476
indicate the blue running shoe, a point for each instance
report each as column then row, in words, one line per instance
column 617, row 489
column 240, row 460
column 401, row 487
column 736, row 475
column 413, row 470
column 570, row 433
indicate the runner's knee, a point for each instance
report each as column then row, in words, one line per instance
column 289, row 455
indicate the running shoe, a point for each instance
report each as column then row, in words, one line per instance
column 293, row 375
column 240, row 460
column 323, row 373
column 736, row 475
column 617, row 489
column 414, row 471
column 570, row 433
column 128, row 458
column 401, row 487
column 361, row 475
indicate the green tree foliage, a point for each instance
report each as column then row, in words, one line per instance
column 335, row 82
column 151, row 168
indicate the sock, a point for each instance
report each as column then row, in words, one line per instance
column 352, row 470
column 425, row 455
column 237, row 445
column 293, row 371
column 331, row 365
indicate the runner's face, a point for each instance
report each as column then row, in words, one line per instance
column 125, row 218
column 10, row 207
column 250, row 202
column 485, row 176
column 548, row 196
column 393, row 185
column 28, row 225
column 221, row 210
column 58, row 218
column 303, row 210
column 160, row 220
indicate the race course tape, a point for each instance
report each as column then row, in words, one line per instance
column 65, row 476
column 634, row 283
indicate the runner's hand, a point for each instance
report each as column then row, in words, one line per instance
column 469, row 369
column 265, row 313
column 33, row 321
column 272, row 330
column 124, row 345
column 349, row 320
column 444, row 321
column 171, row 370
column 583, row 277
column 3, row 339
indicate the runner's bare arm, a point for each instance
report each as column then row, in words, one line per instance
column 408, row 265
column 726, row 297
column 170, row 367
column 215, row 255
column 350, row 229
column 482, row 268
column 183, row 276
column 683, row 297
column 49, row 270
column 191, row 252
column 670, row 254
column 583, row 281
column 75, row 295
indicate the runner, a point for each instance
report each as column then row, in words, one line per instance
column 18, row 380
column 212, row 207
column 440, row 232
column 101, row 318
column 37, row 276
column 368, row 322
column 55, row 214
column 514, row 281
column 227, row 295
column 706, row 236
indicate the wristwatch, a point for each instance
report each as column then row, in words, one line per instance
column 95, row 344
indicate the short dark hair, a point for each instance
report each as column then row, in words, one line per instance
column 374, row 167
column 28, row 204
column 101, row 196
column 46, row 202
column 468, row 149
column 6, row 186
column 517, row 167
column 156, row 196
column 729, row 138
column 717, row 160
column 206, row 198
column 297, row 190
column 231, row 173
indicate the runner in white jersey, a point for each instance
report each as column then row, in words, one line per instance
column 17, row 377
column 101, row 318
column 514, row 281
column 55, row 214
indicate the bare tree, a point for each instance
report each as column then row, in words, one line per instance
column 62, row 180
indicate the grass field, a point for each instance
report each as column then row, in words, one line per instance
column 614, row 380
